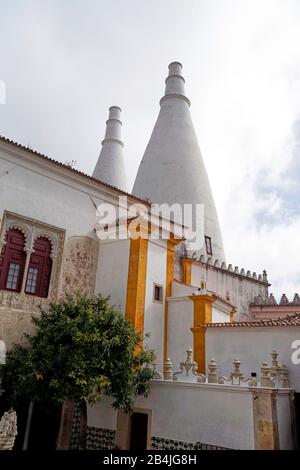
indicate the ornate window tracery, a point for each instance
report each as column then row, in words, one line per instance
column 12, row 260
column 30, row 256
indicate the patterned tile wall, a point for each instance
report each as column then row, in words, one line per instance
column 160, row 443
column 104, row 439
column 96, row 439
column 75, row 428
column 100, row 439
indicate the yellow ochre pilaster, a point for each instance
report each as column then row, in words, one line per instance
column 187, row 271
column 202, row 315
column 136, row 284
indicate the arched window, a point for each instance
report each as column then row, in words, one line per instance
column 12, row 261
column 39, row 268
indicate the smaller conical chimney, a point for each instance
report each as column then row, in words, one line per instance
column 110, row 167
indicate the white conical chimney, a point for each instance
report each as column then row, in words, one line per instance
column 172, row 169
column 110, row 167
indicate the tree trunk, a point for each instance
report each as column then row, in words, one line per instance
column 83, row 425
column 28, row 426
column 66, row 424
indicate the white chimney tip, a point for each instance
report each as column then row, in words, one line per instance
column 175, row 68
column 115, row 112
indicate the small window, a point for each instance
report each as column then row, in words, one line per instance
column 39, row 270
column 158, row 293
column 13, row 276
column 208, row 245
column 12, row 261
column 31, row 281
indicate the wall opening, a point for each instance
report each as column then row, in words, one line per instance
column 139, row 431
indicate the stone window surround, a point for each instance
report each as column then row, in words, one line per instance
column 33, row 229
column 161, row 290
column 208, row 245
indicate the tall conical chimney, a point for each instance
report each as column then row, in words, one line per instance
column 172, row 169
column 110, row 167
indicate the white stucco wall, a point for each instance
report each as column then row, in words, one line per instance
column 112, row 274
column 182, row 290
column 37, row 188
column 180, row 322
column 155, row 311
column 210, row 414
column 241, row 290
column 102, row 415
column 32, row 192
column 252, row 346
column 219, row 316
column 284, row 418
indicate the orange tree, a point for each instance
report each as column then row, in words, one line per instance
column 83, row 349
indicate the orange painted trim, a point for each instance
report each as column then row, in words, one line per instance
column 202, row 308
column 232, row 313
column 202, row 315
column 136, row 283
column 187, row 271
column 199, row 347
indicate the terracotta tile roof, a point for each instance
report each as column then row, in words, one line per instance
column 67, row 167
column 290, row 320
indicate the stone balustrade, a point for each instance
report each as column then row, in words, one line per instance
column 273, row 376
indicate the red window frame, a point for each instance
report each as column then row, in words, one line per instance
column 41, row 260
column 12, row 252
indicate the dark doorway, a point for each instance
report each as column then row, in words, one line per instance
column 297, row 409
column 44, row 427
column 139, row 431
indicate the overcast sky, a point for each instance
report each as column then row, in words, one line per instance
column 65, row 62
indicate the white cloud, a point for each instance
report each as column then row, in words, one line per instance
column 65, row 63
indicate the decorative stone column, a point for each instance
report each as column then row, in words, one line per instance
column 28, row 252
column 123, row 431
column 265, row 419
column 168, row 370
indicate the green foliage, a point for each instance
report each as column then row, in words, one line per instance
column 83, row 349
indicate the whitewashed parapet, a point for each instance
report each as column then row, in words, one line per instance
column 212, row 377
column 187, row 366
column 157, row 374
column 274, row 376
column 236, row 377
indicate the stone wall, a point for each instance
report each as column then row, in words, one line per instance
column 79, row 267
column 16, row 311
